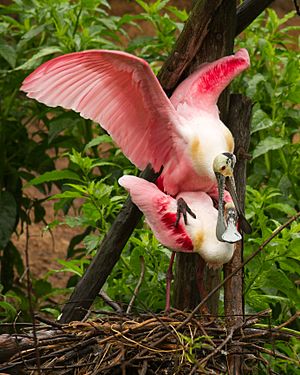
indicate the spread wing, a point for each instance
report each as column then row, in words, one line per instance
column 120, row 92
column 203, row 87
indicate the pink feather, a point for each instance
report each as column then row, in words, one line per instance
column 198, row 235
column 160, row 212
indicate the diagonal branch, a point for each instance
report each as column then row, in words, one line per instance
column 248, row 11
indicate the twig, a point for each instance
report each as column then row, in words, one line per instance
column 274, row 353
column 261, row 247
column 106, row 298
column 248, row 11
column 116, row 337
column 292, row 318
column 138, row 285
column 143, row 370
column 48, row 322
column 29, row 294
column 218, row 348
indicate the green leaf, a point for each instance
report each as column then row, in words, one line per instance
column 283, row 207
column 294, row 94
column 7, row 311
column 49, row 310
column 42, row 288
column 34, row 60
column 75, row 266
column 64, row 174
column 66, row 194
column 8, row 217
column 268, row 144
column 253, row 83
column 61, row 123
column 292, row 71
column 91, row 242
column 33, row 32
column 103, row 163
column 96, row 141
column 260, row 121
column 8, row 53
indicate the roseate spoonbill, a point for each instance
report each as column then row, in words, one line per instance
column 184, row 134
column 198, row 235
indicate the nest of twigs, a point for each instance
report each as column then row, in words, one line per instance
column 179, row 343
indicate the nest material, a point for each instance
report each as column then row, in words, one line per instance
column 144, row 344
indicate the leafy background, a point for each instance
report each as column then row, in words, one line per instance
column 35, row 139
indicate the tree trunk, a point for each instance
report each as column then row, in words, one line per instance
column 218, row 42
column 239, row 123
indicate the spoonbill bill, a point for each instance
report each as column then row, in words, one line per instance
column 197, row 235
column 183, row 134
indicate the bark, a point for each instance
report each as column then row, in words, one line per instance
column 185, row 53
column 217, row 43
column 248, row 11
column 186, row 293
column 239, row 123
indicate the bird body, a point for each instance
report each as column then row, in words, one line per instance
column 118, row 90
column 160, row 210
column 205, row 136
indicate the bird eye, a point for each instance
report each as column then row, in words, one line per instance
column 223, row 168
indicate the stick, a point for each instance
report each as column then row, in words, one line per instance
column 138, row 285
column 248, row 11
column 29, row 294
column 106, row 298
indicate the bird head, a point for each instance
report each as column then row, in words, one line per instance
column 224, row 164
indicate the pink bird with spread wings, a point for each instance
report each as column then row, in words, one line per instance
column 183, row 134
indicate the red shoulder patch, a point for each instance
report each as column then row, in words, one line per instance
column 182, row 239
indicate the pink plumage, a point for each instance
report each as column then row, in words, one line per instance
column 160, row 212
column 120, row 92
column 198, row 235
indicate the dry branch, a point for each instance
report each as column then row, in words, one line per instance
column 248, row 11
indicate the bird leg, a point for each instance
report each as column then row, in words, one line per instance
column 184, row 209
column 169, row 278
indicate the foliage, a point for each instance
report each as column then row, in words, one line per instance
column 30, row 135
column 273, row 194
column 33, row 137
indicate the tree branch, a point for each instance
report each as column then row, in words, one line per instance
column 248, row 11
